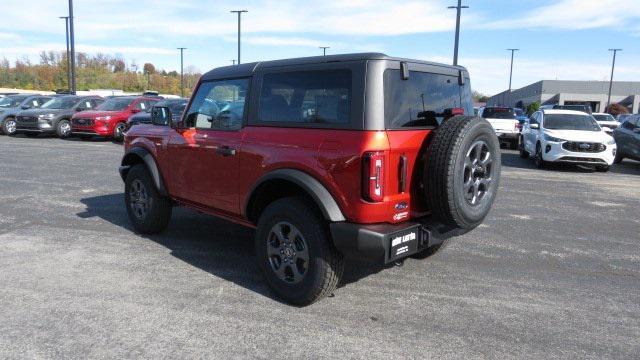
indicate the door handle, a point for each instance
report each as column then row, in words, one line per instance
column 226, row 151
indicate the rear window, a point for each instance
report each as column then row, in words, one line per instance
column 604, row 117
column 498, row 113
column 422, row 100
column 306, row 97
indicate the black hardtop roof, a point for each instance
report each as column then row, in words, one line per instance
column 248, row 69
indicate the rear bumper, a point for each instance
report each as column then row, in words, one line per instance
column 383, row 243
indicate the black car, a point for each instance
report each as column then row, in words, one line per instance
column 175, row 105
column 627, row 137
column 54, row 116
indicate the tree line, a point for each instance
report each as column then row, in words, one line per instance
column 98, row 71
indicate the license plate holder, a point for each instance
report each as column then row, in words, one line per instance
column 403, row 243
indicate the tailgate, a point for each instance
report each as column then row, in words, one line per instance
column 504, row 125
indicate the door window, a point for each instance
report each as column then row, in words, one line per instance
column 218, row 105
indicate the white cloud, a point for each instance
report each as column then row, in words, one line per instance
column 37, row 49
column 490, row 75
column 575, row 15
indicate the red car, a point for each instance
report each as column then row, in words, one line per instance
column 360, row 156
column 110, row 118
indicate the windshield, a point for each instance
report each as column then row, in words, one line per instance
column 115, row 104
column 11, row 101
column 177, row 108
column 604, row 117
column 570, row 122
column 60, row 103
column 498, row 113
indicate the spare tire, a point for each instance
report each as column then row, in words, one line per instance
column 462, row 172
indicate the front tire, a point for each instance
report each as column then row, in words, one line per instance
column 539, row 160
column 10, row 126
column 148, row 211
column 618, row 159
column 295, row 253
column 118, row 132
column 63, row 129
column 524, row 154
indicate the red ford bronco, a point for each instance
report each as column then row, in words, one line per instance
column 360, row 156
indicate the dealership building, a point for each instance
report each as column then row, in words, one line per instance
column 565, row 92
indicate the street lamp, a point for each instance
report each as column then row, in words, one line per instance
column 66, row 28
column 511, row 71
column 72, row 53
column 239, row 12
column 613, row 66
column 182, row 49
column 458, row 11
column 324, row 49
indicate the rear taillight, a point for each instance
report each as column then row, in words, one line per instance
column 457, row 111
column 373, row 176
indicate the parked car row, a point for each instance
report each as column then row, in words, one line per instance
column 566, row 134
column 85, row 116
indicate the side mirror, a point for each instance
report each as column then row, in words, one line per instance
column 161, row 115
column 534, row 126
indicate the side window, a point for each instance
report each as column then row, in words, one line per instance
column 96, row 102
column 218, row 105
column 142, row 105
column 314, row 96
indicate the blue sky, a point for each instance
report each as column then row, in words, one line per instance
column 563, row 39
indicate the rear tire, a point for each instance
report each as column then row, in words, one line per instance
column 148, row 211
column 295, row 253
column 462, row 172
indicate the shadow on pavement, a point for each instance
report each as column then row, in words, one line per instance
column 513, row 159
column 628, row 167
column 219, row 247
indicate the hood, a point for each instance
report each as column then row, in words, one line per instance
column 579, row 135
column 94, row 113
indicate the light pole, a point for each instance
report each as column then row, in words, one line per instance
column 233, row 61
column 324, row 49
column 72, row 53
column 239, row 12
column 511, row 71
column 66, row 29
column 613, row 66
column 182, row 49
column 458, row 11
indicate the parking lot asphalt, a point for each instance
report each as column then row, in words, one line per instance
column 553, row 272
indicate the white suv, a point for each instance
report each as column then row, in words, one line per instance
column 566, row 136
